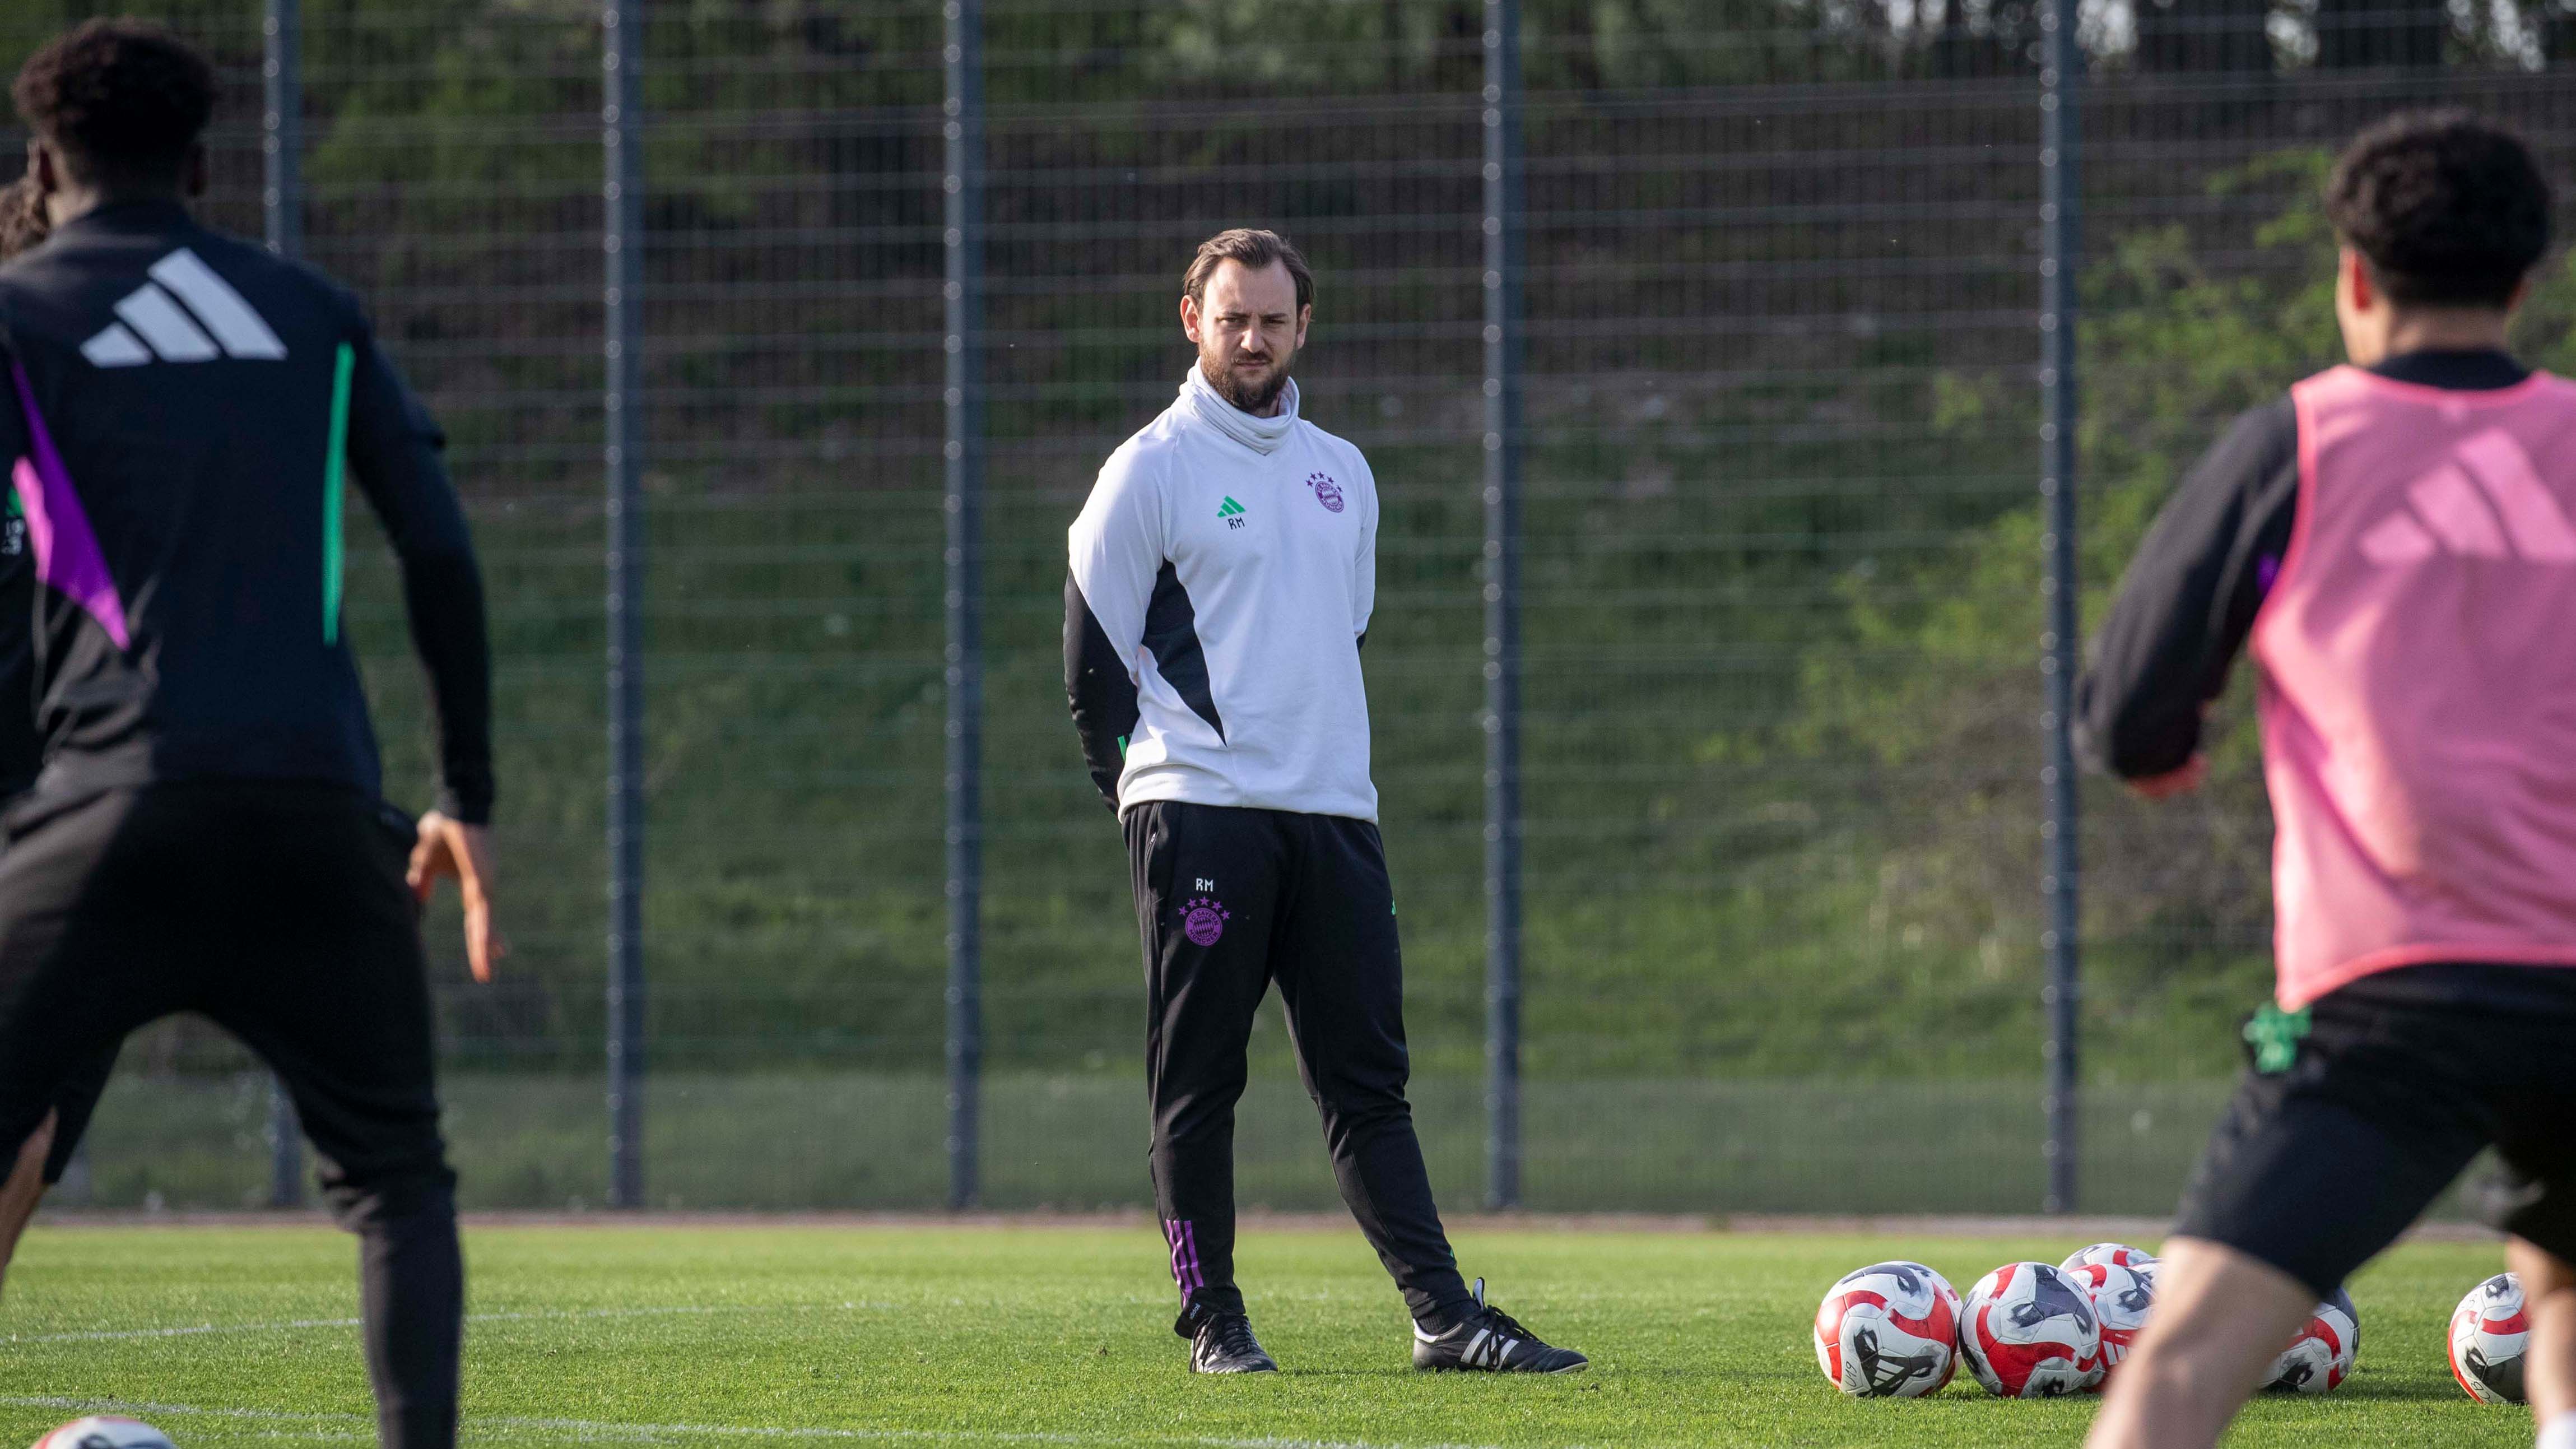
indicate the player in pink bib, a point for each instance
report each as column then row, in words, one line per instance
column 2395, row 544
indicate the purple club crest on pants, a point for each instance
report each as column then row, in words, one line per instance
column 1203, row 920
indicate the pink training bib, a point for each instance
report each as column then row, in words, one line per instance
column 2419, row 682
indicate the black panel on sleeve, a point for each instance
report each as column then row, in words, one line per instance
column 395, row 453
column 1172, row 633
column 1102, row 696
column 2189, row 598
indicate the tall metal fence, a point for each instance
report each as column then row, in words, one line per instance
column 1701, row 367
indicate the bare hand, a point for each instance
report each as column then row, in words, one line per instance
column 2173, row 782
column 453, row 848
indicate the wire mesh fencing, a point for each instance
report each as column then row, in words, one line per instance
column 1780, row 580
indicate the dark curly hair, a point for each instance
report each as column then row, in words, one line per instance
column 23, row 222
column 121, row 100
column 2448, row 209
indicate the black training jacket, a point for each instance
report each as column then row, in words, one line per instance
column 2190, row 596
column 183, row 414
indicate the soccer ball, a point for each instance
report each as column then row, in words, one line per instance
column 2320, row 1354
column 2112, row 1255
column 2030, row 1333
column 2121, row 1298
column 2488, row 1336
column 106, row 1431
column 1889, row 1331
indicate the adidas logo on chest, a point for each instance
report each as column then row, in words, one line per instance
column 186, row 313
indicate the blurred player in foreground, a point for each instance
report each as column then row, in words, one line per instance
column 1223, row 573
column 207, row 832
column 2396, row 543
column 41, row 1162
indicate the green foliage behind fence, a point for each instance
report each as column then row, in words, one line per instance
column 1781, row 565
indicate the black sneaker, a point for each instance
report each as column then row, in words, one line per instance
column 1222, row 1343
column 1492, row 1341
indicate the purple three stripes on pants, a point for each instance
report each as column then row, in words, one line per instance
column 1185, row 1256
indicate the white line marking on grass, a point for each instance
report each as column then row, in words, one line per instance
column 189, row 1331
column 600, row 1431
column 358, row 1430
column 110, row 1335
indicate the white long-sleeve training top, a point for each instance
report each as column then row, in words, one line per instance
column 1229, row 563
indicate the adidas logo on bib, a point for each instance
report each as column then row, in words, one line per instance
column 2484, row 501
column 186, row 313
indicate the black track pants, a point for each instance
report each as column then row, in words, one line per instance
column 1230, row 900
column 279, row 911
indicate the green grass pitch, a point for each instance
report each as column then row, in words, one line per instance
column 724, row 1334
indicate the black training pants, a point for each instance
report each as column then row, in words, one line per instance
column 279, row 911
column 1230, row 900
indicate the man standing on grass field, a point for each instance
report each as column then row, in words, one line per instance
column 1223, row 572
column 206, row 834
column 2396, row 540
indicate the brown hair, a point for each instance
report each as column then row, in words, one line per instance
column 1256, row 250
column 23, row 222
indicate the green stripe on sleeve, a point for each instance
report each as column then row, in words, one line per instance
column 334, row 464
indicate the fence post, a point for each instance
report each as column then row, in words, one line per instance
column 621, row 126
column 2061, row 75
column 963, row 129
column 282, row 203
column 1503, row 216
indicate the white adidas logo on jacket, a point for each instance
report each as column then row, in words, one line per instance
column 186, row 313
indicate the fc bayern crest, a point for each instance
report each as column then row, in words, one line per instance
column 1327, row 492
column 1203, row 921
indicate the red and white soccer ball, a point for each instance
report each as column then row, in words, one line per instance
column 2319, row 1357
column 106, row 1431
column 2489, row 1333
column 1889, row 1331
column 2112, row 1255
column 2122, row 1297
column 2030, row 1332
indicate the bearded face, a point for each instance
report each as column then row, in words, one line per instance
column 1251, row 384
column 1248, row 327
